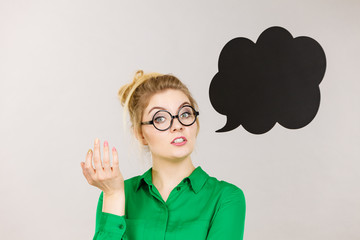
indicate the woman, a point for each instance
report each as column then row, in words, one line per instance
column 173, row 199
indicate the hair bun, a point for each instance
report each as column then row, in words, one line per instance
column 138, row 75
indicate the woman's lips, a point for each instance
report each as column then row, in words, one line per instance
column 180, row 143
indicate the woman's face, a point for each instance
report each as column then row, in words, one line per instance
column 161, row 142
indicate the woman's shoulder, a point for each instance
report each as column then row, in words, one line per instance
column 225, row 189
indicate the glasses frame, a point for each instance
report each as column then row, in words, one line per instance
column 196, row 113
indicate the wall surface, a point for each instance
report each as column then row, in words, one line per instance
column 62, row 63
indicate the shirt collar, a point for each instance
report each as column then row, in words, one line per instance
column 197, row 179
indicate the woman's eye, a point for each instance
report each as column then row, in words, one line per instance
column 185, row 115
column 159, row 119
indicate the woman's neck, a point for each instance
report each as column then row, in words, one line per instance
column 167, row 174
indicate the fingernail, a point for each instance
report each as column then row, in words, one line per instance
column 89, row 151
column 106, row 144
column 114, row 149
column 96, row 141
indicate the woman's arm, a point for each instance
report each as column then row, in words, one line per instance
column 110, row 225
column 114, row 203
column 229, row 220
column 110, row 221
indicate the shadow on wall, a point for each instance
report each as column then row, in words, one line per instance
column 273, row 80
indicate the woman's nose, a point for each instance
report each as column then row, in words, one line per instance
column 176, row 125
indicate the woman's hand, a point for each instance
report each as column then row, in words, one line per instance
column 108, row 179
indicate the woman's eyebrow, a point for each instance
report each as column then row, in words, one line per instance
column 184, row 103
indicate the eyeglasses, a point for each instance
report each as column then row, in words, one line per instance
column 163, row 120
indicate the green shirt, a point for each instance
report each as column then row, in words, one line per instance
column 200, row 207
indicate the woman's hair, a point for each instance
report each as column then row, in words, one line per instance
column 135, row 96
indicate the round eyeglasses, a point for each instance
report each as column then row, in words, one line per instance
column 163, row 120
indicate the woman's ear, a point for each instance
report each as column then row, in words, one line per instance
column 140, row 137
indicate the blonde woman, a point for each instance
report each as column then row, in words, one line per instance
column 173, row 199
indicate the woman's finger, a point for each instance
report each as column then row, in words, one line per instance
column 88, row 165
column 97, row 157
column 86, row 173
column 115, row 169
column 106, row 158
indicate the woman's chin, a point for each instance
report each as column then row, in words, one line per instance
column 180, row 156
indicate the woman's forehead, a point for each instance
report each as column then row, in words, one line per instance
column 169, row 100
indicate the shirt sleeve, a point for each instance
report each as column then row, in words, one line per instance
column 109, row 226
column 229, row 220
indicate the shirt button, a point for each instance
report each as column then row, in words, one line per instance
column 121, row 226
column 178, row 188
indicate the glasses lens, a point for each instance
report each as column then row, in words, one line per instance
column 187, row 115
column 162, row 120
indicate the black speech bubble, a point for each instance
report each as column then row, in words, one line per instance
column 275, row 80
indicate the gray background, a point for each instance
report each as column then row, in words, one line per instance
column 62, row 63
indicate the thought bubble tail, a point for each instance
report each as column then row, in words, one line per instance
column 230, row 125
